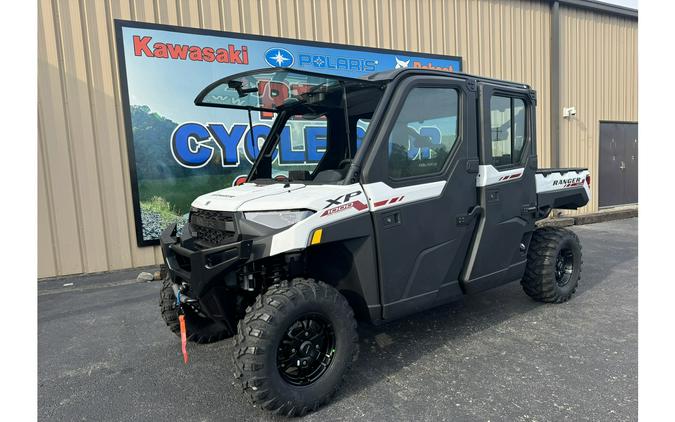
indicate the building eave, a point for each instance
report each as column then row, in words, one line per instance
column 601, row 7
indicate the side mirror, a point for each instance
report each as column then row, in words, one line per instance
column 314, row 97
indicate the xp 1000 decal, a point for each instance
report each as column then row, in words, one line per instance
column 178, row 151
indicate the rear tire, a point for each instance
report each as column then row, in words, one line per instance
column 198, row 329
column 294, row 346
column 553, row 265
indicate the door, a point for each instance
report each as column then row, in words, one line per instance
column 630, row 172
column 506, row 188
column 618, row 164
column 420, row 183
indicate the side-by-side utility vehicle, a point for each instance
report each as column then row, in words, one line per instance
column 368, row 199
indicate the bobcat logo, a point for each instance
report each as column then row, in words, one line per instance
column 400, row 64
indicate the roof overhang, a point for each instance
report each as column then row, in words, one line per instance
column 601, row 7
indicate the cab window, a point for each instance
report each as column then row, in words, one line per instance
column 507, row 130
column 424, row 132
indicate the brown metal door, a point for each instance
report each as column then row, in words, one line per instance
column 618, row 172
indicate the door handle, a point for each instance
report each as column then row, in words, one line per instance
column 528, row 209
column 493, row 195
column 465, row 219
column 391, row 219
column 472, row 166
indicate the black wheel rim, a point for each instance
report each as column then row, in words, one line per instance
column 564, row 265
column 306, row 350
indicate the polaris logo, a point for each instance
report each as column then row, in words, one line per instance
column 279, row 57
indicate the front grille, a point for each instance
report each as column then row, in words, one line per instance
column 214, row 228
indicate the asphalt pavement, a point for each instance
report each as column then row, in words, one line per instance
column 104, row 354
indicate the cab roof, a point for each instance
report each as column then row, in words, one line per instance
column 233, row 91
column 389, row 75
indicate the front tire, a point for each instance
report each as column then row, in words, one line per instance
column 294, row 346
column 553, row 265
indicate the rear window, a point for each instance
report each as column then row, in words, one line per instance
column 507, row 130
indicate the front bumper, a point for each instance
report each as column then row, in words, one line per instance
column 200, row 268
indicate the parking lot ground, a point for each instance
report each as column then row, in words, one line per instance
column 105, row 354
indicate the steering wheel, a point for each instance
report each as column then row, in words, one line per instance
column 344, row 163
column 420, row 141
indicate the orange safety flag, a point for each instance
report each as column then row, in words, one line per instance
column 183, row 337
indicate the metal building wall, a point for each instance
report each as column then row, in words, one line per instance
column 599, row 78
column 85, row 215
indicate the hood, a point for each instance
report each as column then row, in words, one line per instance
column 253, row 197
column 230, row 199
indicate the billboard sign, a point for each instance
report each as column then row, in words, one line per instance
column 178, row 151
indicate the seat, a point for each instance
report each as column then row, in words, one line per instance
column 330, row 176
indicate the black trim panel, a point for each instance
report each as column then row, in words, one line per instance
column 567, row 199
column 346, row 258
column 200, row 267
column 563, row 170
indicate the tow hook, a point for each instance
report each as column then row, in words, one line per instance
column 183, row 299
column 180, row 295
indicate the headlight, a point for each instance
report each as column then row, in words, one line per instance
column 277, row 219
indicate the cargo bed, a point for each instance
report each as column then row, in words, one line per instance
column 562, row 188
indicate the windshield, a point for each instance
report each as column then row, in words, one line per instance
column 315, row 143
column 271, row 90
column 306, row 151
column 318, row 121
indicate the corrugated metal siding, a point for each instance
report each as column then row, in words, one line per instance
column 599, row 78
column 85, row 209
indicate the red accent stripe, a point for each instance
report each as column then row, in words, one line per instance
column 571, row 185
column 510, row 176
column 390, row 201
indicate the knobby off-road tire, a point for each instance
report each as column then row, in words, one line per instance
column 198, row 329
column 271, row 327
column 553, row 265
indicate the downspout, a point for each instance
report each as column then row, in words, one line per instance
column 555, row 84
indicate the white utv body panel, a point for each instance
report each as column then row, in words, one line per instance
column 382, row 196
column 275, row 197
column 489, row 175
column 231, row 199
column 555, row 181
column 330, row 203
column 546, row 182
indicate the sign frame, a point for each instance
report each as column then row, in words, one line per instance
column 120, row 24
